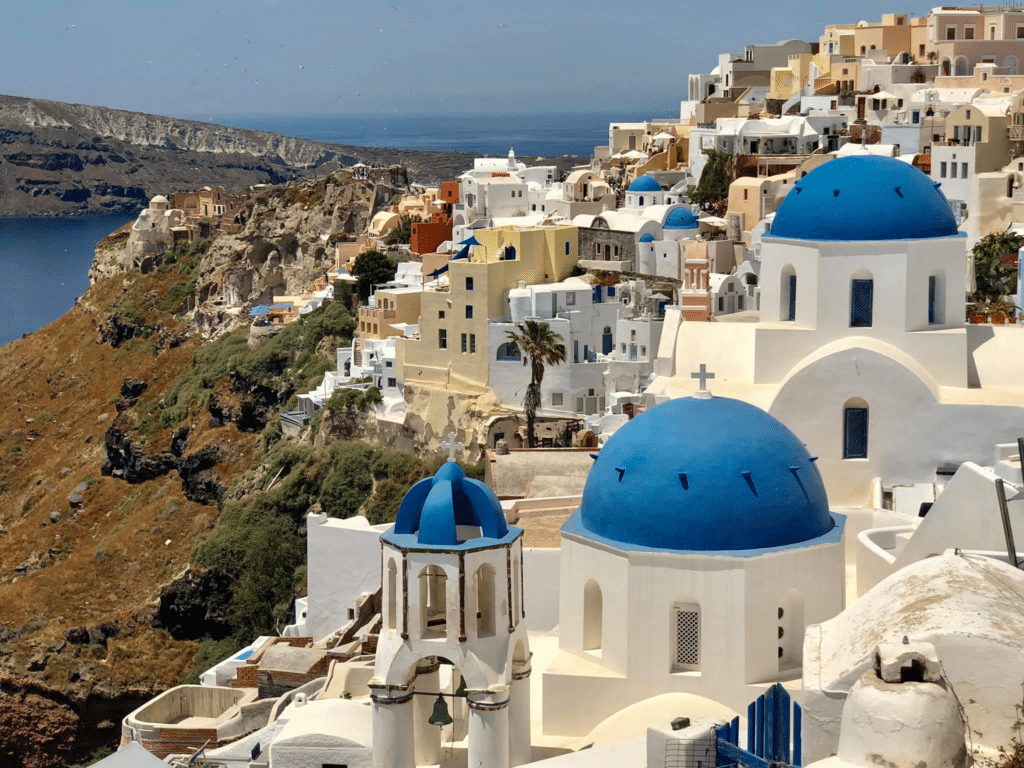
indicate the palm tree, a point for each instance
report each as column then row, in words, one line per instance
column 543, row 346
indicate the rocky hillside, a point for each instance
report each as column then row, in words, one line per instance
column 152, row 514
column 59, row 159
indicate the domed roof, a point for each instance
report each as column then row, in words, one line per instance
column 864, row 198
column 707, row 475
column 645, row 184
column 159, row 199
column 681, row 218
column 433, row 509
column 646, row 237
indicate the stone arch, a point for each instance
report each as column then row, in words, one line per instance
column 433, row 602
column 1011, row 63
column 961, row 66
column 508, row 351
column 593, row 618
column 790, row 630
column 392, row 594
column 946, row 67
column 486, row 603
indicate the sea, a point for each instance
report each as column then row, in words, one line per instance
column 44, row 261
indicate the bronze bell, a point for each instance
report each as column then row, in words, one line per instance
column 440, row 714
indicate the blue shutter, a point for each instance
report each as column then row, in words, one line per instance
column 606, row 344
column 597, row 294
column 792, row 298
column 861, row 295
column 611, row 291
column 855, row 434
column 931, row 299
column 575, row 351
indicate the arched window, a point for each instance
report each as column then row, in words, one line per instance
column 936, row 298
column 685, row 649
column 392, row 595
column 483, row 581
column 791, row 630
column 433, row 602
column 787, row 310
column 641, row 201
column 960, row 66
column 862, row 289
column 592, row 616
column 946, row 67
column 855, row 429
column 509, row 352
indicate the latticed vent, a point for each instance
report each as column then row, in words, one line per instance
column 687, row 626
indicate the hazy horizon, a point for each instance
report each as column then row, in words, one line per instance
column 430, row 57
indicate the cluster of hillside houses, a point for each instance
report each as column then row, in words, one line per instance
column 804, row 465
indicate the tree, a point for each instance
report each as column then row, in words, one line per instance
column 715, row 179
column 993, row 277
column 536, row 341
column 372, row 268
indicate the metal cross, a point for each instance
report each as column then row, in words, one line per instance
column 451, row 446
column 703, row 375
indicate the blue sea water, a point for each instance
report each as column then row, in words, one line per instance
column 537, row 135
column 45, row 260
column 45, row 264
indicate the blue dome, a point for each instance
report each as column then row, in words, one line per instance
column 433, row 508
column 864, row 198
column 644, row 184
column 646, row 237
column 704, row 475
column 681, row 218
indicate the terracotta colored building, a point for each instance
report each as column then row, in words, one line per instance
column 428, row 235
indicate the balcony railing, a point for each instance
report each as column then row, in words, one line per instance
column 369, row 313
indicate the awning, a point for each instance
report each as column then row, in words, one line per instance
column 259, row 310
column 714, row 221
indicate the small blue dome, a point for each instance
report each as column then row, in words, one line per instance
column 435, row 506
column 645, row 184
column 864, row 198
column 681, row 218
column 704, row 475
column 646, row 237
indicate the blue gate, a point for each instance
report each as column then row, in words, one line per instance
column 769, row 729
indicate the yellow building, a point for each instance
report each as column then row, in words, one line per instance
column 392, row 306
column 452, row 351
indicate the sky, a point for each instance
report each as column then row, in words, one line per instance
column 334, row 57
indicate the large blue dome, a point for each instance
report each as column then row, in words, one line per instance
column 705, row 475
column 864, row 198
column 645, row 184
column 435, row 508
column 682, row 218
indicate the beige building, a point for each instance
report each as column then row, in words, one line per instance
column 452, row 351
column 965, row 37
column 896, row 34
column 392, row 306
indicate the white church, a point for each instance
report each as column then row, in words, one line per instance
column 861, row 345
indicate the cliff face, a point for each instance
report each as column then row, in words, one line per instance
column 69, row 159
column 142, row 130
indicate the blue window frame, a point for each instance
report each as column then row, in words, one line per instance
column 861, row 298
column 469, row 283
column 566, row 247
column 791, row 312
column 931, row 299
column 855, row 433
column 606, row 344
column 611, row 291
column 442, row 338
